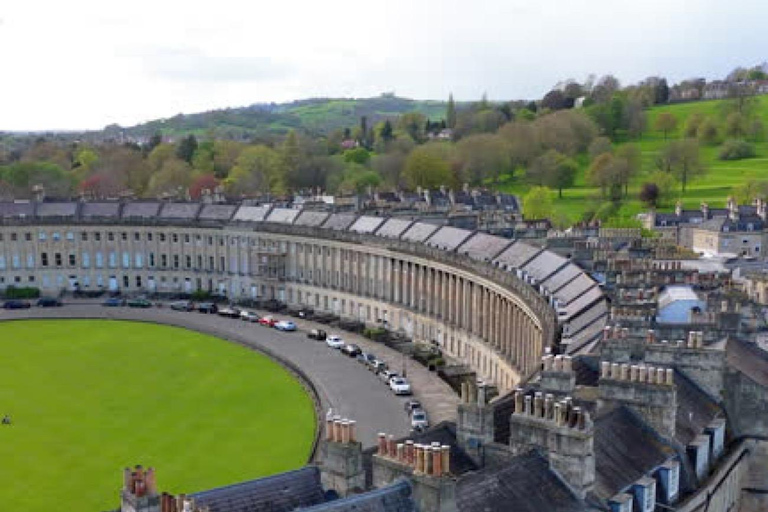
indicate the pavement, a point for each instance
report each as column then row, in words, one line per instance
column 342, row 383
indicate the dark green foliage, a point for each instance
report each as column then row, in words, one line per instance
column 186, row 148
column 736, row 150
column 12, row 292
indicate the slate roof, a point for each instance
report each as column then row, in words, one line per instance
column 587, row 370
column 100, row 209
column 282, row 215
column 339, row 221
column 483, row 246
column 516, row 255
column 217, row 212
column 695, row 409
column 419, row 231
column 393, row 227
column 251, row 213
column 625, row 450
column 279, row 493
column 311, row 218
column 144, row 210
column 575, row 288
column 448, row 238
column 561, row 278
column 525, row 484
column 11, row 209
column 544, row 265
column 56, row 209
column 580, row 303
column 396, row 497
column 749, row 359
column 179, row 210
column 366, row 224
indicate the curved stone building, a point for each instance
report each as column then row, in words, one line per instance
column 491, row 302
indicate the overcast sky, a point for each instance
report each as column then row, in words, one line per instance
column 88, row 63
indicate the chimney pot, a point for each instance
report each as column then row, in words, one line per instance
column 558, row 363
column 519, row 401
column 605, row 369
column 615, row 371
column 528, row 409
column 548, row 403
column 558, row 414
column 409, row 452
column 382, row 443
column 624, row 371
column 391, row 446
column 538, row 409
column 670, row 377
column 401, row 452
column 642, row 373
column 660, row 373
column 446, row 455
column 633, row 373
column 547, row 362
column 567, row 363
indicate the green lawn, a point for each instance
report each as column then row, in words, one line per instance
column 712, row 188
column 89, row 398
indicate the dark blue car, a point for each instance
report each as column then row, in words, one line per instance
column 113, row 302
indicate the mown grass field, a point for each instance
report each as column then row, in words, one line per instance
column 713, row 188
column 88, row 398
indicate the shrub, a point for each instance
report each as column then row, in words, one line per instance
column 200, row 295
column 12, row 292
column 736, row 150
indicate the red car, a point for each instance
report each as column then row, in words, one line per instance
column 268, row 321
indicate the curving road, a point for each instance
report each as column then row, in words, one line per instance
column 341, row 382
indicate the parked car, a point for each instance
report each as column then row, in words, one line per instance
column 182, row 305
column 229, row 312
column 113, row 302
column 419, row 420
column 139, row 303
column 387, row 375
column 16, row 304
column 334, row 341
column 317, row 334
column 48, row 302
column 207, row 307
column 285, row 325
column 352, row 350
column 366, row 358
column 400, row 386
column 411, row 405
column 268, row 321
column 249, row 316
column 377, row 366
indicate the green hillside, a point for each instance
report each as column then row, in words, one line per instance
column 713, row 187
column 313, row 116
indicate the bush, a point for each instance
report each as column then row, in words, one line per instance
column 736, row 150
column 12, row 292
column 200, row 295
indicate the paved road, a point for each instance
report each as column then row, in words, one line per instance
column 342, row 383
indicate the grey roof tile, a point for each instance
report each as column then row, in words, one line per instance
column 251, row 213
column 366, row 224
column 394, row 227
column 284, row 492
column 68, row 209
column 516, row 255
column 574, row 289
column 187, row 211
column 339, row 221
column 143, row 210
column 396, row 497
column 483, row 247
column 282, row 215
column 217, row 212
column 100, row 209
column 311, row 218
column 14, row 209
column 544, row 265
column 419, row 231
column 448, row 238
column 525, row 484
column 562, row 277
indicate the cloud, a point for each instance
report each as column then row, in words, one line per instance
column 185, row 64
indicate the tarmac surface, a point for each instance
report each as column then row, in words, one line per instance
column 341, row 382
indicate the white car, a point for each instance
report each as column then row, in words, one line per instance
column 249, row 316
column 419, row 419
column 400, row 386
column 334, row 341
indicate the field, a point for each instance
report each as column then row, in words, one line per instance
column 88, row 398
column 713, row 188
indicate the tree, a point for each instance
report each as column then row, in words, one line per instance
column 553, row 170
column 390, row 167
column 450, row 112
column 522, row 142
column 599, row 146
column 707, row 132
column 607, row 172
column 735, row 125
column 554, row 100
column 386, row 131
column 412, row 123
column 171, row 179
column 649, row 194
column 155, row 140
column 483, row 157
column 634, row 118
column 631, row 159
column 665, row 122
column 756, row 131
column 752, row 188
column 186, row 148
column 661, row 95
column 291, row 155
column 537, row 204
column 692, row 124
column 429, row 166
column 200, row 183
column 683, row 159
column 259, row 170
column 225, row 153
column 358, row 155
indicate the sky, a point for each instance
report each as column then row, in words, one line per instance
column 84, row 64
